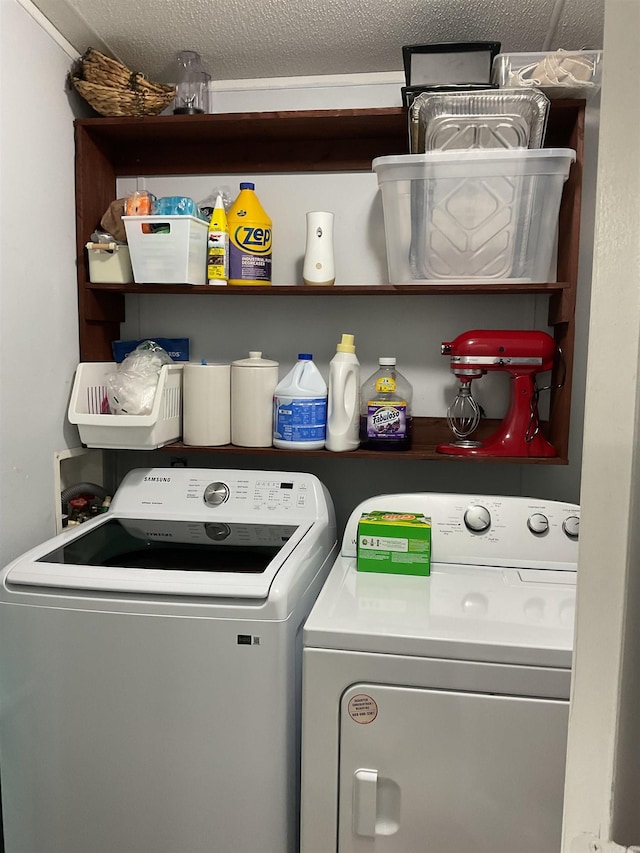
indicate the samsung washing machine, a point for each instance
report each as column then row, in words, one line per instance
column 150, row 667
column 435, row 709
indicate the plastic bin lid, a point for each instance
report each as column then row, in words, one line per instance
column 474, row 154
column 475, row 162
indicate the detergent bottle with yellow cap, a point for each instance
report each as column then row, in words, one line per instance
column 249, row 239
column 343, row 405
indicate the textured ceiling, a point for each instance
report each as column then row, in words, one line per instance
column 289, row 38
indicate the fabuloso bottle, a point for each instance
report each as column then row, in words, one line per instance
column 385, row 413
column 218, row 245
column 249, row 239
column 343, row 407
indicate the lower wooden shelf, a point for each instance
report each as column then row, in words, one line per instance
column 433, row 289
column 428, row 433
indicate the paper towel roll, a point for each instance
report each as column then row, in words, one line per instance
column 206, row 412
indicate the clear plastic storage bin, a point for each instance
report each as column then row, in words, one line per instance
column 125, row 432
column 558, row 73
column 176, row 255
column 472, row 216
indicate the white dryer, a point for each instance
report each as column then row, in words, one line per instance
column 435, row 709
column 150, row 667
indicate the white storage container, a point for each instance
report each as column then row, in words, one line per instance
column 109, row 262
column 125, row 432
column 557, row 73
column 473, row 216
column 176, row 255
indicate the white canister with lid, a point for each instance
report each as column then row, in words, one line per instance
column 253, row 381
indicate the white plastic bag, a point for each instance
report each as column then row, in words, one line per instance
column 131, row 389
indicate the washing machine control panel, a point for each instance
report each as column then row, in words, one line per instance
column 486, row 529
column 220, row 494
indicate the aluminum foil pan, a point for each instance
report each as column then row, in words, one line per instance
column 492, row 118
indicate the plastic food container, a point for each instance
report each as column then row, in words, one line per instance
column 483, row 215
column 125, row 432
column 109, row 262
column 559, row 73
column 167, row 249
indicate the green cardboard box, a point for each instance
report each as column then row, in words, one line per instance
column 396, row 543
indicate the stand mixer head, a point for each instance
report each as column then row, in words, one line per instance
column 520, row 353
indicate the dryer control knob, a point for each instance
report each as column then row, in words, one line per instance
column 571, row 526
column 477, row 518
column 538, row 523
column 216, row 494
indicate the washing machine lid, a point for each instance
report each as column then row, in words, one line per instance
column 164, row 556
column 460, row 612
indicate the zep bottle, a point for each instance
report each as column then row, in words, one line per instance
column 343, row 409
column 300, row 408
column 249, row 239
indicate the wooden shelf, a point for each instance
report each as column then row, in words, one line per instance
column 427, row 434
column 302, row 141
column 442, row 289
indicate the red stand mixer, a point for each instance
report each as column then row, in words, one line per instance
column 521, row 354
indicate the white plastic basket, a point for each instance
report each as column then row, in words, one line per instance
column 125, row 432
column 177, row 256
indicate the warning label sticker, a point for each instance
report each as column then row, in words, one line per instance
column 362, row 708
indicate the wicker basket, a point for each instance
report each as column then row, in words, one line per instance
column 113, row 90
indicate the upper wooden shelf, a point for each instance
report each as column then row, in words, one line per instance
column 301, row 140
column 297, row 140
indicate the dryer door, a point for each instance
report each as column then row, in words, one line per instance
column 447, row 772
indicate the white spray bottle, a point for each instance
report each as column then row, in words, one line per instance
column 343, row 405
column 318, row 266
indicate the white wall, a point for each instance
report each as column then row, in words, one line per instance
column 38, row 313
column 603, row 771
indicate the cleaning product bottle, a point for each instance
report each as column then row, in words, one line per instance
column 385, row 409
column 249, row 239
column 218, row 245
column 343, row 407
column 300, row 407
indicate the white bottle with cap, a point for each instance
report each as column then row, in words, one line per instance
column 300, row 407
column 343, row 408
column 253, row 381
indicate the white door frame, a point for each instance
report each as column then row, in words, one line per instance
column 602, row 781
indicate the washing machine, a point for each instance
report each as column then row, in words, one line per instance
column 435, row 709
column 150, row 667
